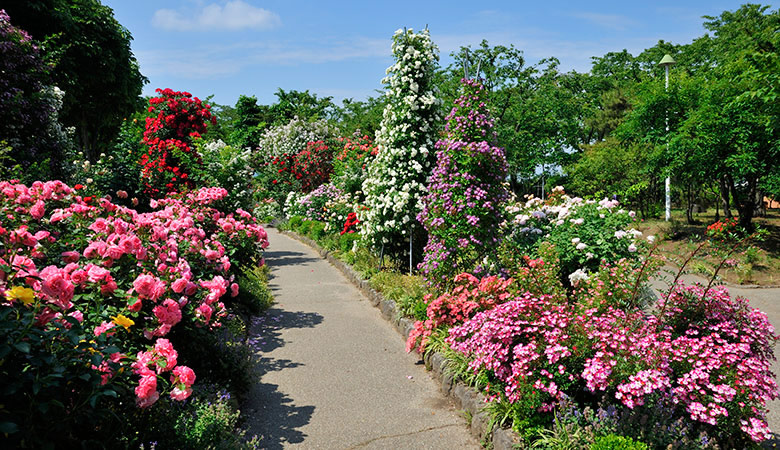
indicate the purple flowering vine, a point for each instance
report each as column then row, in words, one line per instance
column 461, row 211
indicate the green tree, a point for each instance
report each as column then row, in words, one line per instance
column 721, row 110
column 303, row 105
column 93, row 64
column 249, row 122
column 363, row 116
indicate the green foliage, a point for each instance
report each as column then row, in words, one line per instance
column 295, row 222
column 347, row 241
column 609, row 168
column 316, row 231
column 93, row 63
column 212, row 421
column 227, row 167
column 361, row 117
column 48, row 373
column 213, row 425
column 302, row 105
column 29, row 127
column 251, row 120
column 116, row 169
column 254, row 296
column 616, row 442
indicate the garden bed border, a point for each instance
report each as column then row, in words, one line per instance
column 464, row 397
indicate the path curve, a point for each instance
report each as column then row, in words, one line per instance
column 333, row 373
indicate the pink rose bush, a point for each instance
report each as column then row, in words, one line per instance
column 99, row 282
column 704, row 356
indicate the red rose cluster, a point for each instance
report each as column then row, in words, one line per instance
column 350, row 226
column 308, row 168
column 179, row 119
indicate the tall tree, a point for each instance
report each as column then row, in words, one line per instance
column 93, row 64
column 30, row 143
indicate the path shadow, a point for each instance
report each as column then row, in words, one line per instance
column 265, row 330
column 283, row 258
column 276, row 418
column 272, row 414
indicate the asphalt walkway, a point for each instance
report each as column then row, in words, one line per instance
column 334, row 373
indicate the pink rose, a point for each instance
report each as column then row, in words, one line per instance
column 38, row 210
column 168, row 312
column 109, row 287
column 233, row 289
column 164, row 348
column 115, row 252
column 148, row 286
column 204, row 311
column 104, row 327
column 79, row 277
column 146, row 391
column 57, row 287
column 191, row 288
column 70, row 257
column 99, row 226
column 96, row 273
column 183, row 374
column 179, row 285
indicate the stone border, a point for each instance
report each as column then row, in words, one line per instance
column 464, row 397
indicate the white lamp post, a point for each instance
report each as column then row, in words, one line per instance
column 667, row 61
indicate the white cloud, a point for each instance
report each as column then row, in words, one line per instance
column 234, row 15
column 220, row 61
column 611, row 21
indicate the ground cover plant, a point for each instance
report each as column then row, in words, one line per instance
column 84, row 279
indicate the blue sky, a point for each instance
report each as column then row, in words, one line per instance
column 341, row 49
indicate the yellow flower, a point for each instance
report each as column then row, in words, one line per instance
column 23, row 294
column 123, row 321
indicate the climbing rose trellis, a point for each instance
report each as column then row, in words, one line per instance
column 462, row 211
column 396, row 178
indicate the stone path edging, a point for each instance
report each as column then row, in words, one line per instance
column 465, row 398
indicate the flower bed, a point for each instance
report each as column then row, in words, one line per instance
column 96, row 298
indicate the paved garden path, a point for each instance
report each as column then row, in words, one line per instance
column 333, row 374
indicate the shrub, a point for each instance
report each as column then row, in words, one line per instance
column 615, row 442
column 469, row 296
column 584, row 233
column 347, row 241
column 87, row 280
column 705, row 357
column 226, row 167
column 350, row 167
column 29, row 125
column 317, row 230
column 176, row 119
column 295, row 222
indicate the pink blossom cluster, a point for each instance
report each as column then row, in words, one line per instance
column 128, row 277
column 469, row 296
column 709, row 354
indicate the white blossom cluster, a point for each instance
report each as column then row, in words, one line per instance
column 292, row 138
column 231, row 168
column 397, row 176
